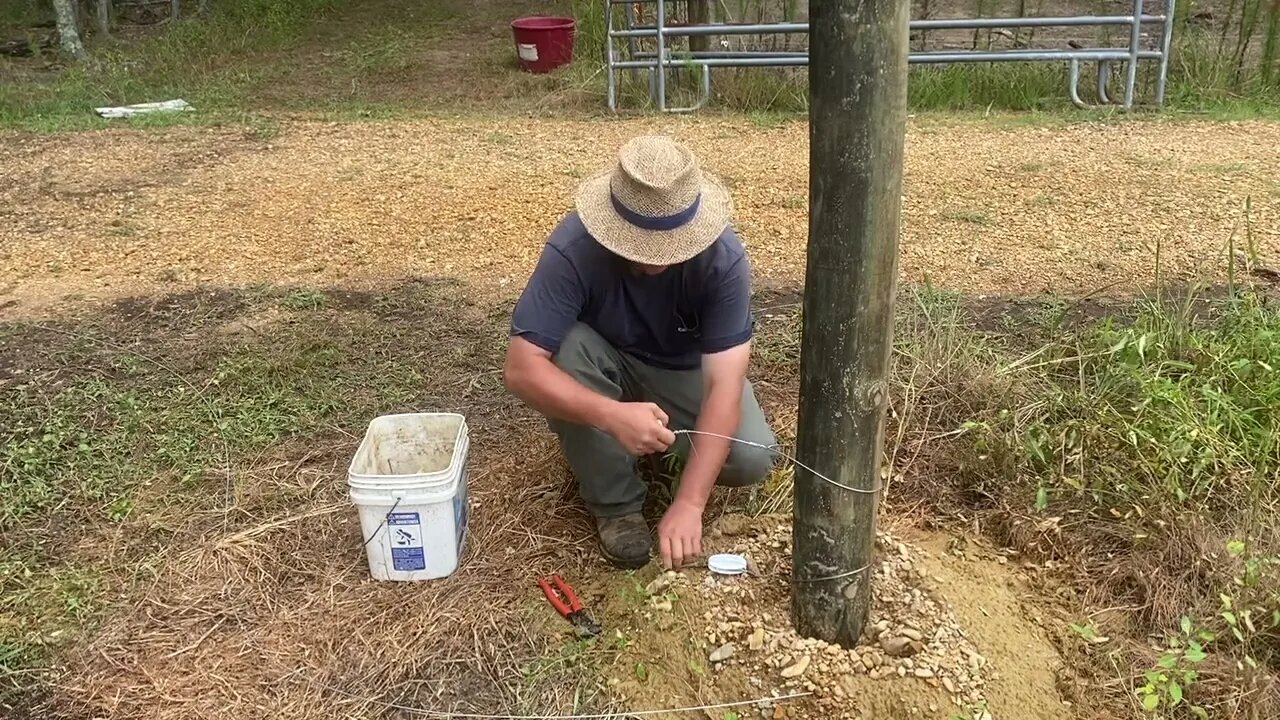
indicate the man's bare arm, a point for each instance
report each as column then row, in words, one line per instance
column 724, row 374
column 680, row 532
column 531, row 376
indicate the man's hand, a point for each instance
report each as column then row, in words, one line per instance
column 640, row 427
column 680, row 534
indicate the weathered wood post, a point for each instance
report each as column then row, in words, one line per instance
column 857, row 117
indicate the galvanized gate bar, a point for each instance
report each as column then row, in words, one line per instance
column 936, row 24
column 922, row 58
column 661, row 60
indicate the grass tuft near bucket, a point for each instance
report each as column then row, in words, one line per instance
column 543, row 43
column 408, row 481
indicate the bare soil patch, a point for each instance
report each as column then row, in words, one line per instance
column 447, row 55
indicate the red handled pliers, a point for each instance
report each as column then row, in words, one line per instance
column 569, row 606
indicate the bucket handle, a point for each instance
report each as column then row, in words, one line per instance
column 399, row 495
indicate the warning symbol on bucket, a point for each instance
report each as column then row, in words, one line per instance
column 527, row 52
column 406, row 541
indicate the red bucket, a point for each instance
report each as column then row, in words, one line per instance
column 543, row 43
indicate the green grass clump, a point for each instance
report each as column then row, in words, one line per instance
column 1175, row 412
column 40, row 610
column 1156, row 442
column 213, row 62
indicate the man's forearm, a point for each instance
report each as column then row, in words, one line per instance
column 552, row 392
column 720, row 415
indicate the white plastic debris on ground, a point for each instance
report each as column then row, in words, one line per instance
column 127, row 111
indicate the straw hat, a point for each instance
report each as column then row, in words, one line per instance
column 655, row 206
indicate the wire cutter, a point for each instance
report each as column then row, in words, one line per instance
column 566, row 603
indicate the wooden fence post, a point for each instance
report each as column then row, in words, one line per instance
column 857, row 118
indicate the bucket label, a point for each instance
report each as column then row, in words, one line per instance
column 406, row 541
column 528, row 52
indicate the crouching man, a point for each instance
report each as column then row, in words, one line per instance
column 636, row 324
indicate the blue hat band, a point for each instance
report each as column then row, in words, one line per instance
column 665, row 222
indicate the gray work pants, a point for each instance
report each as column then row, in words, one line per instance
column 606, row 473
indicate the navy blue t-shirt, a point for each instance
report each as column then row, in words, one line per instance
column 668, row 320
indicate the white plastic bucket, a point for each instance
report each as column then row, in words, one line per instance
column 408, row 480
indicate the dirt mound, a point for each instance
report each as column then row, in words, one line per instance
column 947, row 638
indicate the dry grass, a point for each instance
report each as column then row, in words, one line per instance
column 243, row 591
column 246, row 595
column 264, row 610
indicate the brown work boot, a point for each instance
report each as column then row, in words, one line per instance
column 625, row 540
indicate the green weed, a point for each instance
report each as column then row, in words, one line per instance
column 387, row 50
column 1013, row 86
column 1233, row 168
column 974, row 217
column 1170, row 686
column 569, row 670
column 1138, row 429
column 1177, row 409
column 304, row 299
column 767, row 119
column 42, row 609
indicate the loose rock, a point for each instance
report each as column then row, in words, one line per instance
column 722, row 653
column 657, row 585
column 912, row 634
column 896, row 646
column 796, row 669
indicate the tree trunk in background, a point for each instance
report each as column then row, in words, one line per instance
column 699, row 14
column 176, row 10
column 204, row 7
column 68, row 35
column 104, row 17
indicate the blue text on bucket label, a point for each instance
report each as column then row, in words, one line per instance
column 405, row 530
